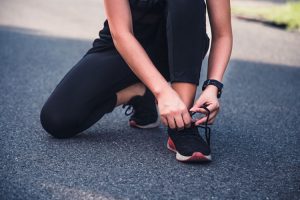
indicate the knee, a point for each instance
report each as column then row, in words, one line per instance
column 57, row 123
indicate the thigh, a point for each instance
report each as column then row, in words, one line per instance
column 187, row 38
column 88, row 84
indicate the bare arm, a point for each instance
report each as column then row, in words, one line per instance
column 221, row 46
column 173, row 111
column 120, row 22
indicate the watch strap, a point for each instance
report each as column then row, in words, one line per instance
column 214, row 82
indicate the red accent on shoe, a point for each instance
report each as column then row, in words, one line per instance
column 132, row 123
column 171, row 145
column 196, row 157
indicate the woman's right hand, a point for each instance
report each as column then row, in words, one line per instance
column 173, row 111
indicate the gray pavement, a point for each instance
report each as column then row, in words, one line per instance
column 255, row 139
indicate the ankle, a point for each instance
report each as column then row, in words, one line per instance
column 139, row 89
column 128, row 93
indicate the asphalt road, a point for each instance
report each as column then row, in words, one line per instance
column 255, row 139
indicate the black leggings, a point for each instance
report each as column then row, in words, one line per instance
column 88, row 90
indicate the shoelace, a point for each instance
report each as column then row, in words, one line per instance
column 129, row 106
column 207, row 129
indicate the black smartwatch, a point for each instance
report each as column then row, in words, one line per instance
column 216, row 83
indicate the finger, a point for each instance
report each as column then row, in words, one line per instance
column 203, row 119
column 201, row 110
column 171, row 122
column 179, row 122
column 164, row 121
column 213, row 107
column 210, row 106
column 211, row 121
column 187, row 119
column 197, row 104
column 212, row 118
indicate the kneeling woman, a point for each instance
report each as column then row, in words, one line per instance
column 143, row 45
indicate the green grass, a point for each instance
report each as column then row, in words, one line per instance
column 288, row 14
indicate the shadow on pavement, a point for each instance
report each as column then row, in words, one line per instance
column 255, row 140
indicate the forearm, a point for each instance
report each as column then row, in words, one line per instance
column 217, row 63
column 219, row 56
column 139, row 62
column 221, row 45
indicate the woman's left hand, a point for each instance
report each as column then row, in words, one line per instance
column 209, row 98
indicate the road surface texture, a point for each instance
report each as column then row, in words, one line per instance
column 255, row 139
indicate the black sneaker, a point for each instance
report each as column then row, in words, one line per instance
column 188, row 144
column 143, row 110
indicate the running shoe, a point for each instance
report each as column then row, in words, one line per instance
column 143, row 111
column 188, row 144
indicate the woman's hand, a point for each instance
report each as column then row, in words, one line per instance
column 173, row 111
column 209, row 98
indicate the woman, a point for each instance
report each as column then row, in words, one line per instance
column 143, row 45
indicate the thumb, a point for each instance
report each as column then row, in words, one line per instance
column 196, row 105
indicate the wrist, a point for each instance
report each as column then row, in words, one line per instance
column 160, row 90
column 212, row 89
column 213, row 83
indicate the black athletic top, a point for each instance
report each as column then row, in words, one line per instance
column 145, row 16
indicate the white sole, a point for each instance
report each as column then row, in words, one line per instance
column 196, row 157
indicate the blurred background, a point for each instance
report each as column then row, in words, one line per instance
column 255, row 139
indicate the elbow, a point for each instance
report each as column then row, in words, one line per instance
column 222, row 32
column 226, row 37
column 225, row 34
column 120, row 36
